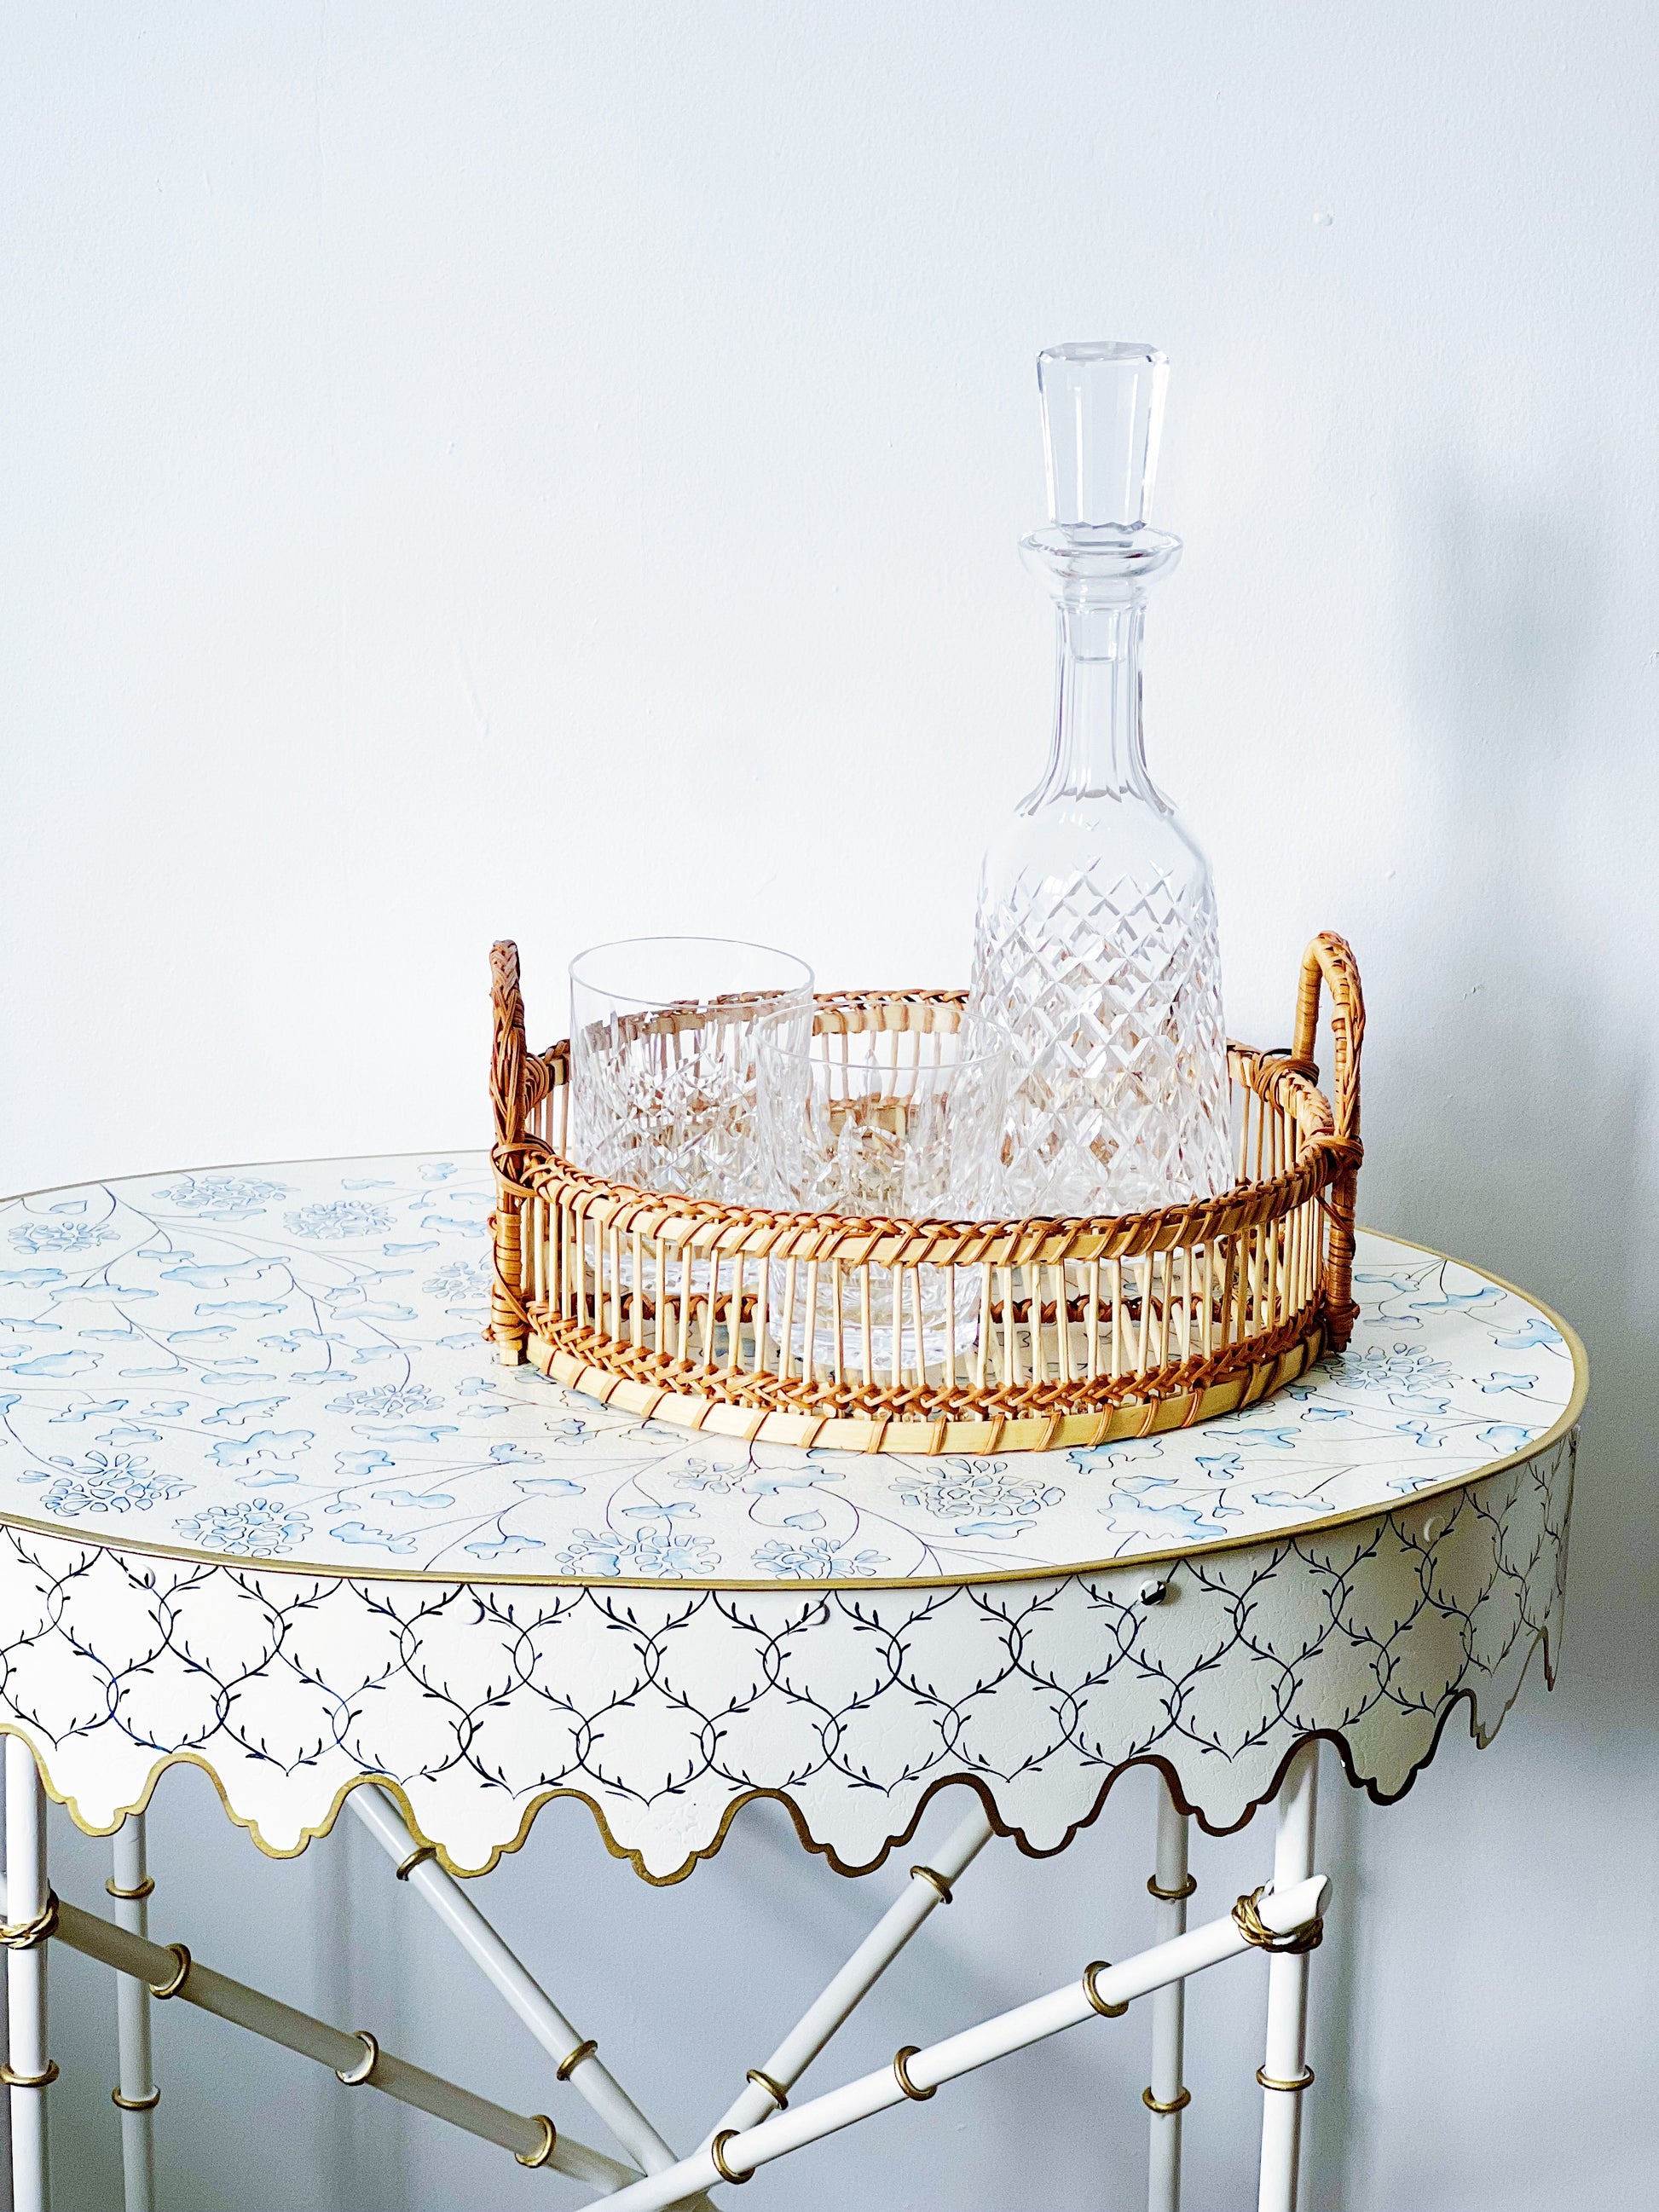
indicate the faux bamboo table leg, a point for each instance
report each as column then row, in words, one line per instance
column 915, row 2073
column 768, row 2088
column 130, row 1885
column 1285, row 2073
column 1166, row 2095
column 30, row 2070
column 576, row 2057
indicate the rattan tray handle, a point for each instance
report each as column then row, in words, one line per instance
column 1330, row 959
column 508, row 1323
column 507, row 1061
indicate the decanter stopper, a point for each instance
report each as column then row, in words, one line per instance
column 1102, row 412
column 1095, row 943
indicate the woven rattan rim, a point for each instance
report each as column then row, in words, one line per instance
column 1285, row 1236
column 733, row 1229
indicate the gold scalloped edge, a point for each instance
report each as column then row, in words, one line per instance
column 1481, row 1734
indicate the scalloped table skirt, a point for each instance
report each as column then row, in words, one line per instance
column 269, row 1506
column 664, row 1710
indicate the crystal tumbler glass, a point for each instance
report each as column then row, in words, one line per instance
column 881, row 1124
column 663, row 1038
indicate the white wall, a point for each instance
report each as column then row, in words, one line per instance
column 556, row 470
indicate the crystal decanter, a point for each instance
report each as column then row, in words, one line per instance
column 1095, row 944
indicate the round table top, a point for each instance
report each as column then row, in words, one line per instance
column 284, row 1365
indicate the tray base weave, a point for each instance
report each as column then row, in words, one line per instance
column 1057, row 1432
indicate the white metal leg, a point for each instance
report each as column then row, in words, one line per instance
column 1284, row 2073
column 733, row 2156
column 1166, row 2095
column 30, row 2070
column 1283, row 1918
column 355, row 2055
column 575, row 2057
column 929, row 1887
column 130, row 1885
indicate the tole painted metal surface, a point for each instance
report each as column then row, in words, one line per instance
column 273, row 1507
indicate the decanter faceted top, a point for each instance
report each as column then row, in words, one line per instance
column 1103, row 413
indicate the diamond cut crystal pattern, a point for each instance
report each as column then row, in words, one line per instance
column 642, row 1117
column 1095, row 945
column 1121, row 1104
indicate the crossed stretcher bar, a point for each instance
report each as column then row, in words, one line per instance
column 1283, row 1918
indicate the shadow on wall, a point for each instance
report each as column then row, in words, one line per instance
column 1512, row 1127
column 1506, row 1105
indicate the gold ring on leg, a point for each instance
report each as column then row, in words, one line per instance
column 717, row 2152
column 545, row 2150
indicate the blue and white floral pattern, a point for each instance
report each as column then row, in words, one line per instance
column 969, row 1490
column 392, row 1401
column 659, row 1552
column 815, row 1559
column 59, row 1236
column 276, row 1507
column 107, row 1482
column 459, row 1282
column 311, row 1333
column 339, row 1218
column 222, row 1197
column 1405, row 1373
column 256, row 1529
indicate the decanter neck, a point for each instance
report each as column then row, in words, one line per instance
column 1098, row 750
column 1102, row 405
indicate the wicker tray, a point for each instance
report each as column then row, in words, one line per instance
column 1170, row 1317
